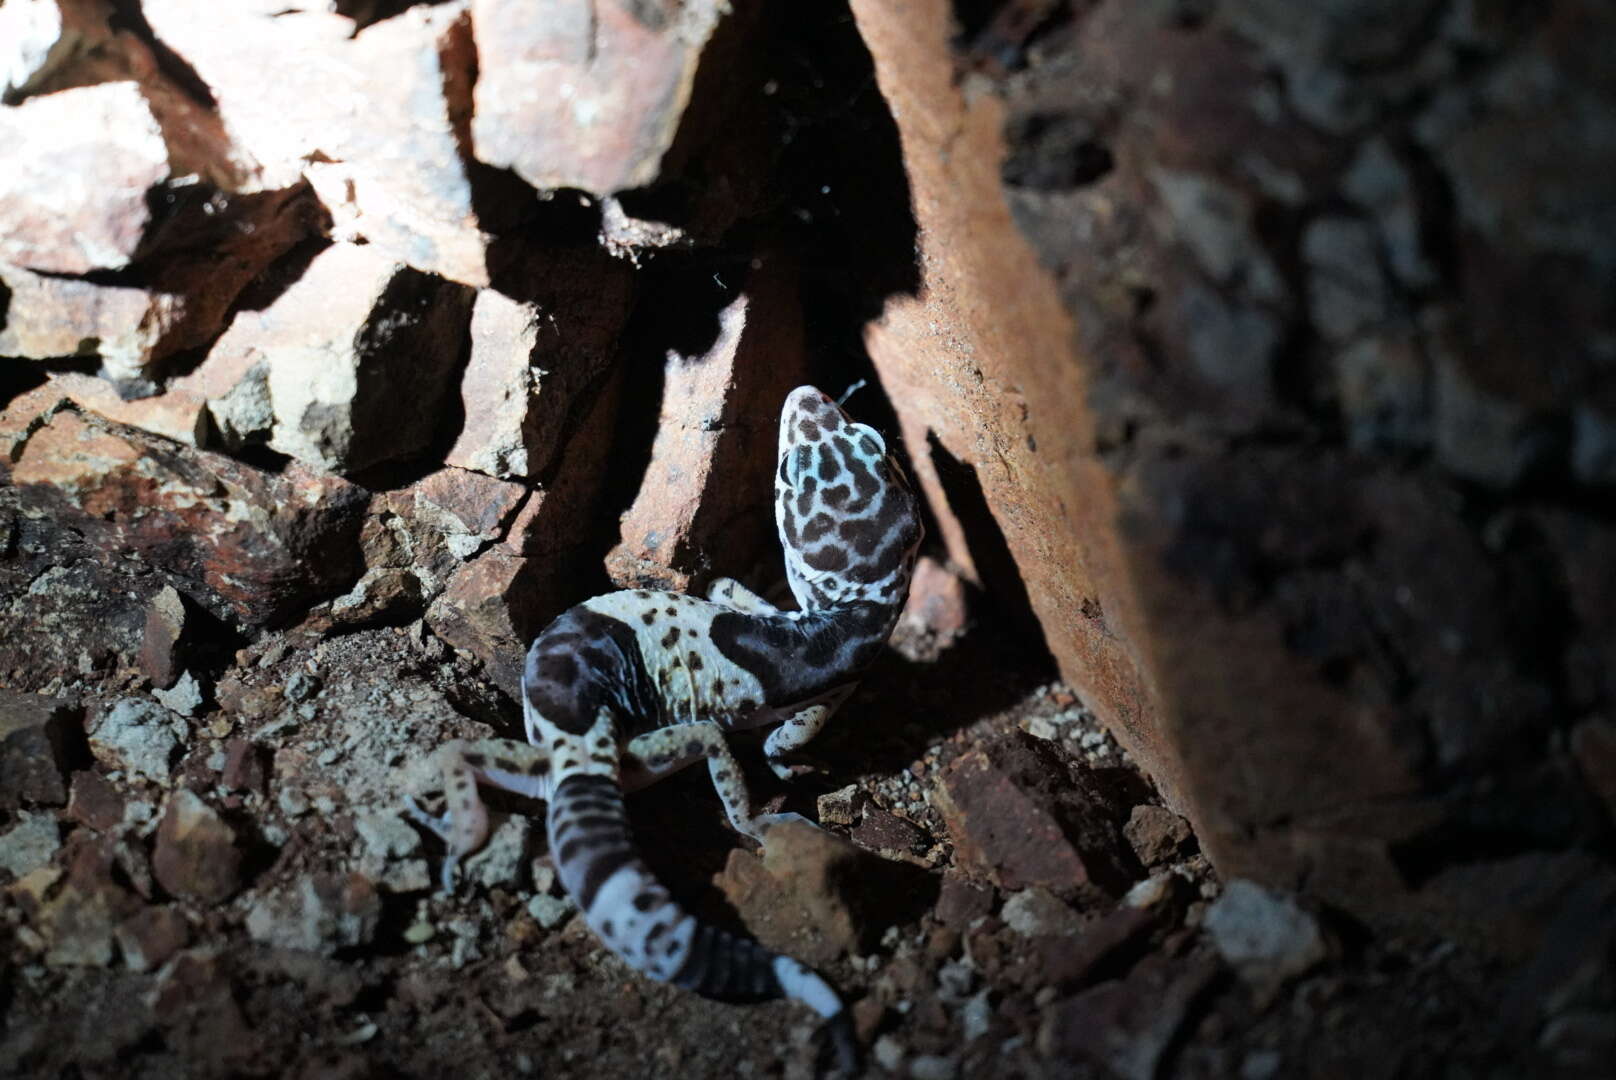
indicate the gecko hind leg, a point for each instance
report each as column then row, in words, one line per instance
column 732, row 594
column 502, row 763
column 655, row 754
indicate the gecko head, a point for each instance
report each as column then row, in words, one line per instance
column 848, row 520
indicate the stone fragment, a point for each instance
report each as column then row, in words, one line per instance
column 1593, row 744
column 1036, row 912
column 337, row 344
column 840, row 807
column 196, row 854
column 104, row 139
column 248, row 544
column 37, row 735
column 470, row 509
column 392, row 173
column 148, row 938
column 244, row 768
column 39, row 37
column 588, row 97
column 1346, row 292
column 550, row 911
column 1380, row 183
column 184, row 697
column 937, row 612
column 320, row 914
column 1215, row 221
column 1017, row 817
column 389, row 849
column 889, row 834
column 1104, row 947
column 709, row 485
column 165, row 624
column 94, row 802
column 77, row 925
column 492, row 608
column 798, row 898
column 961, row 901
column 1491, row 436
column 29, row 843
column 1593, row 445
column 1264, row 936
column 1126, row 1026
column 138, row 736
column 502, row 862
column 1156, row 834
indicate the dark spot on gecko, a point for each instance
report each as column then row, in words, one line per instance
column 672, row 611
column 673, row 947
column 808, row 429
column 828, row 557
column 538, row 766
column 692, row 748
column 648, row 617
column 644, row 901
column 602, row 759
column 829, row 468
column 835, row 496
column 670, row 638
column 505, row 764
column 474, row 760
column 693, row 658
column 817, row 526
column 602, row 743
column 718, row 687
column 461, row 783
column 722, row 775
column 607, row 928
column 656, row 930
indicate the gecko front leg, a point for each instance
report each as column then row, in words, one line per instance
column 737, row 597
column 655, row 754
column 798, row 726
column 502, row 763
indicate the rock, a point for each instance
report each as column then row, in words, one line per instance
column 244, row 768
column 1037, row 913
column 1265, row 937
column 247, row 544
column 39, row 37
column 77, row 926
column 147, row 939
column 889, row 834
column 37, row 739
column 301, row 686
column 1346, row 292
column 29, row 843
column 537, row 361
column 597, row 94
column 393, row 175
column 960, row 902
column 1215, row 221
column 334, row 347
column 1106, row 946
column 140, row 737
column 1156, row 834
column 1017, row 817
column 94, row 802
column 492, row 608
column 707, row 495
column 1593, row 744
column 1490, row 437
column 319, row 914
column 1230, row 345
column 1593, row 445
column 470, row 509
column 502, row 862
column 165, row 624
column 796, row 898
column 389, row 844
column 550, row 911
column 933, row 1067
column 937, row 609
column 104, row 137
column 185, row 697
column 1126, row 1026
column 1380, row 183
column 196, row 854
column 840, row 807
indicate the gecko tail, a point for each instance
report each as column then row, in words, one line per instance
column 637, row 918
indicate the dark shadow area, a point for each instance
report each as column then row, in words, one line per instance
column 127, row 15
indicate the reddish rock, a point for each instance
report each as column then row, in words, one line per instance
column 1126, row 1026
column 38, row 736
column 1018, row 816
column 1156, row 834
column 1103, row 948
column 392, row 173
column 470, row 508
column 960, row 901
column 558, row 520
column 335, row 348
column 177, row 414
column 937, row 604
column 244, row 767
column 890, row 834
column 252, row 545
column 196, row 854
column 104, row 137
column 492, row 608
column 148, row 938
column 165, row 622
column 541, row 348
column 800, row 898
column 706, row 498
column 38, row 38
column 588, row 96
column 94, row 802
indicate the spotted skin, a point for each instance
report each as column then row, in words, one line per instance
column 626, row 688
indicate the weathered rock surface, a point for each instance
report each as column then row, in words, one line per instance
column 320, row 914
column 37, row 744
column 590, row 98
column 250, row 545
column 138, row 736
column 706, row 496
column 1017, row 817
column 1264, row 936
column 196, row 855
column 331, row 352
column 1126, row 1026
column 798, row 898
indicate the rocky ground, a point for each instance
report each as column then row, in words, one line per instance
column 214, row 880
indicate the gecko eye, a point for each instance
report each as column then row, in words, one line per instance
column 785, row 459
column 865, row 430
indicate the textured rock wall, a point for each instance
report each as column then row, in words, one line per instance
column 1298, row 433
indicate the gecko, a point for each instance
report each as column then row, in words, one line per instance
column 626, row 688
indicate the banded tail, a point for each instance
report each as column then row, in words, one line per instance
column 638, row 919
